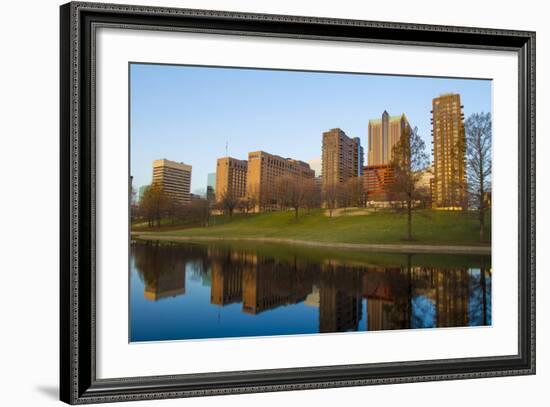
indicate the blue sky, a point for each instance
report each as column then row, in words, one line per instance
column 188, row 114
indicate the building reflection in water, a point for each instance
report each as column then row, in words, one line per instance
column 162, row 270
column 393, row 297
column 339, row 298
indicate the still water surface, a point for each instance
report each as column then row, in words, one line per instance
column 192, row 291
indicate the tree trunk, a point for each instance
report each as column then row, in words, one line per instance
column 484, row 293
column 481, row 200
column 409, row 220
column 481, row 224
column 296, row 212
column 410, row 293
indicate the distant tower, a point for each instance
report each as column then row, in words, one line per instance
column 211, row 186
column 384, row 134
column 449, row 151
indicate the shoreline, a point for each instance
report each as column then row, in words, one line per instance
column 387, row 248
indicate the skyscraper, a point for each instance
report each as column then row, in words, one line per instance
column 384, row 134
column 230, row 178
column 449, row 153
column 342, row 157
column 211, row 187
column 174, row 178
column 264, row 170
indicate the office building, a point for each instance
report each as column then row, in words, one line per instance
column 174, row 178
column 230, row 178
column 211, row 180
column 264, row 171
column 384, row 134
column 211, row 187
column 342, row 157
column 377, row 181
column 449, row 153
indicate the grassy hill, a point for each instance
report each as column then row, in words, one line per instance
column 351, row 226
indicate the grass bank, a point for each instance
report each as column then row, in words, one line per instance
column 383, row 227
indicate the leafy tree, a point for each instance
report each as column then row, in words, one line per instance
column 478, row 164
column 409, row 160
column 153, row 204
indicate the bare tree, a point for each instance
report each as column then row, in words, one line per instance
column 330, row 196
column 343, row 195
column 250, row 203
column 409, row 160
column 199, row 211
column 312, row 195
column 228, row 202
column 355, row 192
column 264, row 197
column 478, row 164
column 291, row 193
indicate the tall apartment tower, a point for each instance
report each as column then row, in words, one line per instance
column 174, row 178
column 449, row 151
column 384, row 134
column 342, row 157
column 264, row 170
column 230, row 178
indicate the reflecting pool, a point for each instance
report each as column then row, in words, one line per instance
column 196, row 291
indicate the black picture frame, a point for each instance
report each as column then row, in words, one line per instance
column 78, row 382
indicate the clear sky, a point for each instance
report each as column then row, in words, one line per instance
column 188, row 114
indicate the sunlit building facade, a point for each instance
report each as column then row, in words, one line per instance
column 264, row 171
column 449, row 152
column 230, row 178
column 384, row 134
column 174, row 178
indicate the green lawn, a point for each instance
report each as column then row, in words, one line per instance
column 382, row 227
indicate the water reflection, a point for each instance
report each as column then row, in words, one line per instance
column 183, row 291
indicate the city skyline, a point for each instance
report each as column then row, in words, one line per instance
column 257, row 102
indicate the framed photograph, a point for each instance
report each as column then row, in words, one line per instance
column 254, row 203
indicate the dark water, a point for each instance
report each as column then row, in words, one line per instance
column 190, row 291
